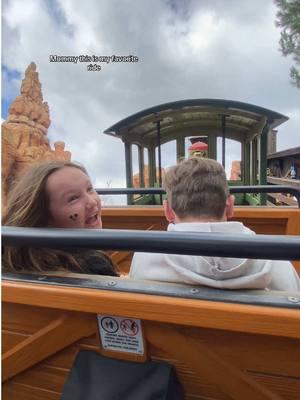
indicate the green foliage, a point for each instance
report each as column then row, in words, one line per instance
column 288, row 18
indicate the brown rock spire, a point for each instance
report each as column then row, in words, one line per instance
column 29, row 108
column 24, row 133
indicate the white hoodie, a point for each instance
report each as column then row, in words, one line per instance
column 222, row 273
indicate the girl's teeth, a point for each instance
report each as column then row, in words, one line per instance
column 92, row 219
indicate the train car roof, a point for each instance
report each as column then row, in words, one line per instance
column 201, row 116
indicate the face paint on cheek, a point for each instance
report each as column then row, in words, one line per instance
column 73, row 217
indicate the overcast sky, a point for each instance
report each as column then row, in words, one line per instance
column 186, row 49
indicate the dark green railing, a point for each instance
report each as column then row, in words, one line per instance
column 233, row 190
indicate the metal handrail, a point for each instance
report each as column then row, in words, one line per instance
column 279, row 247
column 233, row 189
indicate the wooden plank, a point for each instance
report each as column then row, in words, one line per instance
column 269, row 355
column 44, row 377
column 14, row 391
column 195, row 385
column 265, row 356
column 120, row 256
column 24, row 319
column 56, row 335
column 266, row 212
column 52, row 377
column 284, row 181
column 270, row 352
column 266, row 227
column 267, row 220
column 10, row 339
column 209, row 314
column 154, row 213
column 122, row 259
column 233, row 382
column 293, row 225
column 144, row 217
column 64, row 358
column 283, row 199
column 288, row 388
column 262, row 220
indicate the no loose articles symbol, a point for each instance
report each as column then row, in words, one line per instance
column 129, row 327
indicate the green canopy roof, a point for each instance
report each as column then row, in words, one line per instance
column 195, row 117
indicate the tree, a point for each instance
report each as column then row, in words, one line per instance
column 288, row 19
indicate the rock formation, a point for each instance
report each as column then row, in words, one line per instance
column 235, row 173
column 136, row 177
column 24, row 133
column 29, row 108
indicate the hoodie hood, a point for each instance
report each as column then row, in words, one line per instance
column 222, row 267
column 220, row 272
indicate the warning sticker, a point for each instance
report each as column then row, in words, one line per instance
column 121, row 334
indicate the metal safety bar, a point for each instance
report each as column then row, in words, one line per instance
column 233, row 189
column 279, row 247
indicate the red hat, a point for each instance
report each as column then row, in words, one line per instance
column 199, row 146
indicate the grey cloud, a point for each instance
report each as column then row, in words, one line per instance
column 239, row 60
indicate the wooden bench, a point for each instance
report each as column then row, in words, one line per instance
column 262, row 220
column 221, row 350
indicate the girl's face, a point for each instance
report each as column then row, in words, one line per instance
column 73, row 202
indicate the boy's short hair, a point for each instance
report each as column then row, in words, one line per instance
column 197, row 187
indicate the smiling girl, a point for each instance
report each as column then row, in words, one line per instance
column 55, row 194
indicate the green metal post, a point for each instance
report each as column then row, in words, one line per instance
column 223, row 119
column 151, row 161
column 251, row 163
column 159, row 152
column 128, row 164
column 180, row 148
column 243, row 163
column 254, row 162
column 212, row 146
column 151, row 170
column 246, row 164
column 263, row 161
column 141, row 166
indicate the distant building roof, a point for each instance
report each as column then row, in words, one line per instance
column 294, row 151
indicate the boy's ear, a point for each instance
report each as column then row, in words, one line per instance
column 229, row 206
column 169, row 213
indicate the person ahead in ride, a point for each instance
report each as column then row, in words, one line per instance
column 198, row 200
column 55, row 194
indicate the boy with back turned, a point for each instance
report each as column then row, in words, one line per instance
column 198, row 200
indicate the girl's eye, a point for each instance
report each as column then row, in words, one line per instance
column 90, row 189
column 72, row 198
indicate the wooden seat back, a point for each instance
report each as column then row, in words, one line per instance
column 220, row 350
column 262, row 220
